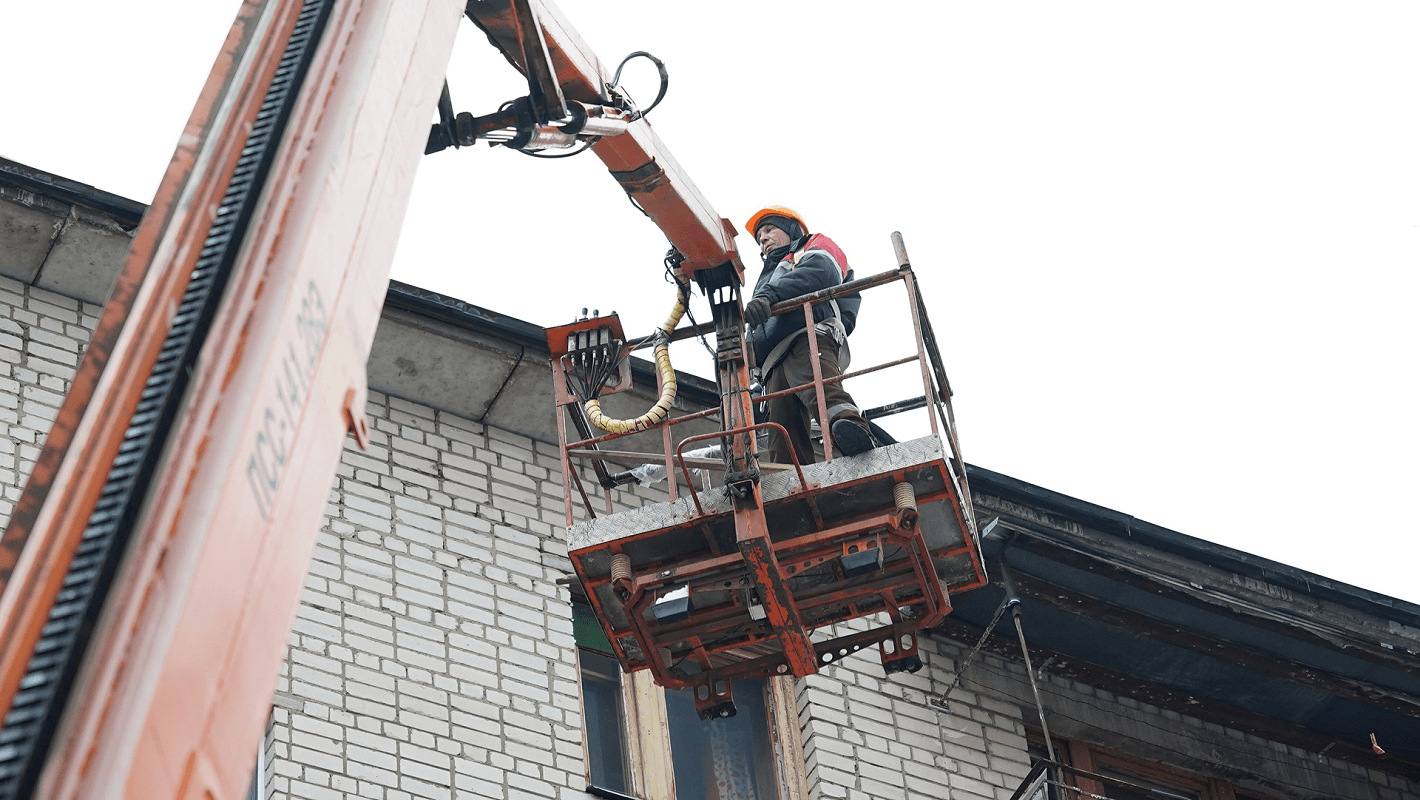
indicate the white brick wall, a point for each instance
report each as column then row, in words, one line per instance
column 871, row 736
column 42, row 337
column 433, row 654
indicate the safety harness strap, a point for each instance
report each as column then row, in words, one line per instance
column 833, row 325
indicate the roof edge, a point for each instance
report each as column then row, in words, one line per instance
column 127, row 212
column 469, row 316
column 1117, row 523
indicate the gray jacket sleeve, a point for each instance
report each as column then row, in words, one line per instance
column 814, row 271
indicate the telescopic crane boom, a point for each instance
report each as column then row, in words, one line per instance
column 159, row 547
column 154, row 562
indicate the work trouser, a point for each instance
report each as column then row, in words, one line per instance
column 794, row 411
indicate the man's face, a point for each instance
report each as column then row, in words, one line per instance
column 770, row 237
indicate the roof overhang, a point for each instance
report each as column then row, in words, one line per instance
column 1197, row 628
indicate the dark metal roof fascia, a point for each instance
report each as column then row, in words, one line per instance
column 127, row 213
column 1234, row 695
column 476, row 318
column 467, row 315
column 1116, row 523
column 1173, row 614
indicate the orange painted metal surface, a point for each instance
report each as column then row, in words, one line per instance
column 764, row 573
column 720, row 629
column 62, row 489
column 656, row 182
column 636, row 158
column 177, row 682
column 767, row 577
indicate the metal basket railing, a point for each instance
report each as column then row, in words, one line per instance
column 936, row 398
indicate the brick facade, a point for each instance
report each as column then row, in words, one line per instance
column 867, row 735
column 433, row 653
column 42, row 337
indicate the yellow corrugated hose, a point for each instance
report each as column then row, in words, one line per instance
column 662, row 407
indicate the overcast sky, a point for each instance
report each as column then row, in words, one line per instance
column 1169, row 249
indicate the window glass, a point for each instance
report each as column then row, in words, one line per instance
column 601, row 712
column 730, row 758
column 587, row 630
column 1140, row 789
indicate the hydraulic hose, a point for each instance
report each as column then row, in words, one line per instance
column 662, row 407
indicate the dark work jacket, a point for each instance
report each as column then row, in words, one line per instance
column 785, row 280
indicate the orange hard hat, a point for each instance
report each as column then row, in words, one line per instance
column 783, row 211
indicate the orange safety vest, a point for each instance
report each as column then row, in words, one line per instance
column 820, row 242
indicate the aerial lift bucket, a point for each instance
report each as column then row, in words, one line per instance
column 713, row 586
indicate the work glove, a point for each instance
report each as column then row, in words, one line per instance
column 757, row 311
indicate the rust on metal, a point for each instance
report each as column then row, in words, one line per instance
column 637, row 157
column 216, row 563
column 899, row 249
column 762, row 570
column 39, row 542
column 547, row 101
column 798, row 470
column 842, row 289
column 752, row 537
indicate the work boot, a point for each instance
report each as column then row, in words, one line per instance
column 852, row 439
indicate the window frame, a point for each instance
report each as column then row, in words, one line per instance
column 621, row 716
column 647, row 741
column 1091, row 757
column 584, row 622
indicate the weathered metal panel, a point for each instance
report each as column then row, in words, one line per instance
column 775, row 486
column 216, row 562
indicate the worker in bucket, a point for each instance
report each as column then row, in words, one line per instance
column 798, row 263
